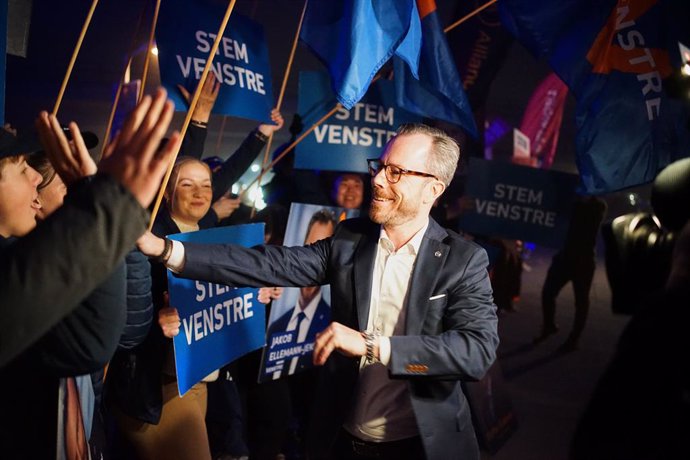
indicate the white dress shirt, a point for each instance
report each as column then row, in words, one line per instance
column 382, row 410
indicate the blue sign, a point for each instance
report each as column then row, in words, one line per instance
column 349, row 137
column 185, row 34
column 518, row 202
column 219, row 323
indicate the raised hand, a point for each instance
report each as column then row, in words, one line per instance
column 277, row 118
column 71, row 160
column 207, row 98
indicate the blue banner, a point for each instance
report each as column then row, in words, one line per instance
column 349, row 137
column 185, row 34
column 616, row 56
column 290, row 337
column 219, row 323
column 518, row 202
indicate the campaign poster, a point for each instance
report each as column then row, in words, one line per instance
column 348, row 138
column 184, row 37
column 518, row 202
column 219, row 323
column 300, row 313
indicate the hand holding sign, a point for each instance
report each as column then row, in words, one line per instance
column 169, row 320
column 277, row 118
column 207, row 99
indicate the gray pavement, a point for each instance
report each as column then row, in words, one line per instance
column 549, row 390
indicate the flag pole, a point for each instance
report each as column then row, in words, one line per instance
column 290, row 147
column 192, row 106
column 152, row 34
column 280, row 101
column 84, row 28
column 469, row 16
column 118, row 93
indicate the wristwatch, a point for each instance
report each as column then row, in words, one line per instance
column 370, row 342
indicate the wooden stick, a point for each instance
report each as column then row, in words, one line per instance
column 118, row 93
column 290, row 147
column 280, row 99
column 148, row 50
column 75, row 53
column 111, row 117
column 192, row 106
column 220, row 133
column 469, row 15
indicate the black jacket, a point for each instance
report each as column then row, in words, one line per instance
column 60, row 262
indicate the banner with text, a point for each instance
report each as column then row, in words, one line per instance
column 219, row 323
column 518, row 202
column 300, row 313
column 349, row 137
column 184, row 37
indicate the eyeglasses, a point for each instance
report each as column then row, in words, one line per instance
column 393, row 172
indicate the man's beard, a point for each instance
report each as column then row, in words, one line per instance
column 406, row 210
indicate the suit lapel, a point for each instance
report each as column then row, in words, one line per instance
column 427, row 268
column 364, row 266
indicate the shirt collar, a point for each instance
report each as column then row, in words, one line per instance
column 413, row 245
column 311, row 307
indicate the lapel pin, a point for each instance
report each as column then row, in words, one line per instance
column 437, row 253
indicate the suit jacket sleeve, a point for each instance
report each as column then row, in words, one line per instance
column 46, row 274
column 259, row 266
column 462, row 344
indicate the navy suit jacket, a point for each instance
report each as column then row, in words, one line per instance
column 319, row 322
column 450, row 331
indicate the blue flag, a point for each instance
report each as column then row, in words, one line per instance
column 614, row 56
column 438, row 93
column 355, row 38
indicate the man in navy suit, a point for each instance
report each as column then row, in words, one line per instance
column 312, row 314
column 412, row 311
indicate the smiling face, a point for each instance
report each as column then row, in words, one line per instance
column 349, row 191
column 410, row 199
column 18, row 198
column 191, row 198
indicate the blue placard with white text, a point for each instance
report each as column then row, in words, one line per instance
column 518, row 202
column 184, row 37
column 346, row 139
column 219, row 323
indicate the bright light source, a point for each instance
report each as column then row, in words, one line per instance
column 235, row 188
column 154, row 51
column 255, row 167
column 256, row 195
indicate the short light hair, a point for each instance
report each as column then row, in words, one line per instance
column 444, row 153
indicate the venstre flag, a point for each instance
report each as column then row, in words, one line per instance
column 614, row 55
column 219, row 323
column 185, row 34
column 349, row 137
column 355, row 38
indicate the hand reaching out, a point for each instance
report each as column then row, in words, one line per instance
column 71, row 159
